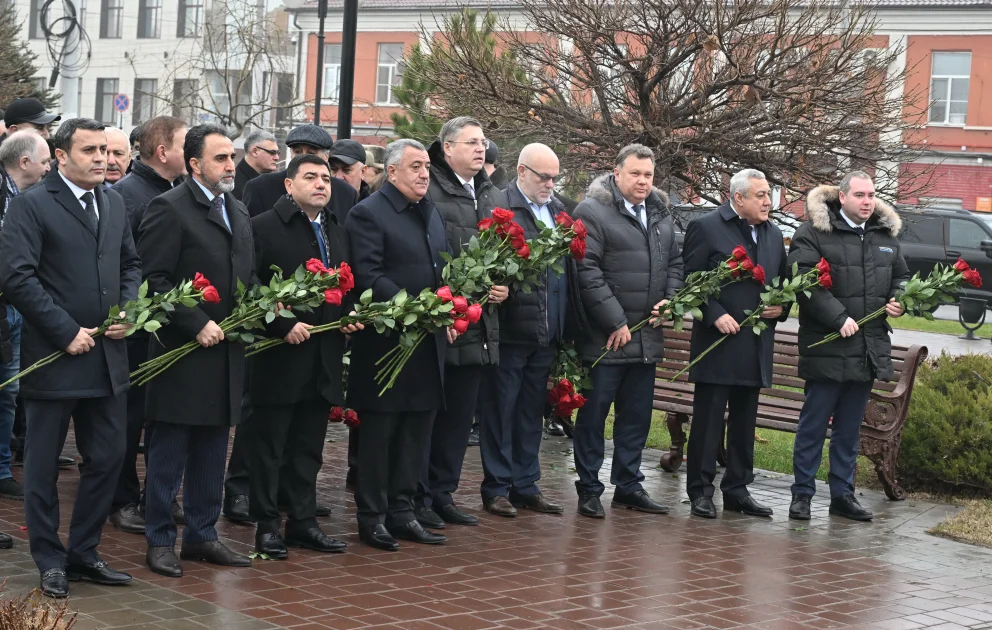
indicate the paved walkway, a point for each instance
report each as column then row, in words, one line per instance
column 629, row 571
column 935, row 342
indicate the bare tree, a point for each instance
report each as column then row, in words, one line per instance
column 799, row 89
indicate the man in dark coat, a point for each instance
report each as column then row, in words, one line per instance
column 396, row 237
column 347, row 162
column 856, row 233
column 197, row 227
column 262, row 193
column 734, row 373
column 513, row 392
column 163, row 139
column 66, row 258
column 632, row 264
column 293, row 386
column 261, row 156
column 463, row 195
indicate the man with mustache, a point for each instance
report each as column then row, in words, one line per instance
column 118, row 156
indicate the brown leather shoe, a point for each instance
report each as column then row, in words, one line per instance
column 536, row 502
column 500, row 506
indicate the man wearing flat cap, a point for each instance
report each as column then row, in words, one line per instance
column 348, row 163
column 28, row 113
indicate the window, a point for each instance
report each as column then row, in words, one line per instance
column 143, row 107
column 190, row 18
column 220, row 97
column 184, row 97
column 105, row 91
column 110, row 18
column 332, row 71
column 965, row 235
column 34, row 20
column 919, row 228
column 279, row 96
column 390, row 73
column 949, row 80
column 150, row 19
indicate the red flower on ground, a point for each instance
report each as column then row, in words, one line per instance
column 337, row 414
column 739, row 253
column 960, row 265
column 485, row 224
column 578, row 248
column 460, row 304
column 759, row 274
column 826, row 281
column 823, row 266
column 346, row 279
column 314, row 266
column 444, row 293
column 973, row 278
column 474, row 313
column 200, row 282
column 579, row 228
column 502, row 216
column 524, row 252
column 333, row 296
column 460, row 325
column 564, row 220
column 211, row 295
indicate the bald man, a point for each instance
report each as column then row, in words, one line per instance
column 531, row 325
column 118, row 156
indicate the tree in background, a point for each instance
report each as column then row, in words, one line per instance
column 17, row 64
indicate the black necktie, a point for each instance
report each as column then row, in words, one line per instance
column 860, row 230
column 91, row 215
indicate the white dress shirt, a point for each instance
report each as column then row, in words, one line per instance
column 853, row 224
column 541, row 213
column 642, row 217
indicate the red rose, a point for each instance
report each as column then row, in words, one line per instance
column 333, row 296
column 579, row 228
column 972, row 277
column 734, row 271
column 460, row 325
column 211, row 295
column 474, row 313
column 552, row 397
column 337, row 414
column 200, row 282
column 578, row 248
column 747, row 264
column 564, row 220
column 565, row 386
column 461, row 304
column 524, row 252
column 502, row 216
column 826, row 281
column 445, row 294
column 759, row 274
column 514, row 230
column 823, row 266
column 485, row 224
column 565, row 402
column 578, row 401
column 960, row 265
column 739, row 253
column 351, row 419
column 346, row 279
column 517, row 242
column 314, row 266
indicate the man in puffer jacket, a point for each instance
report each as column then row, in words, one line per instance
column 856, row 234
column 632, row 265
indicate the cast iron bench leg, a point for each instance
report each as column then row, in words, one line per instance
column 672, row 460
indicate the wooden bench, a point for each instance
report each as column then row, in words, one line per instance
column 779, row 406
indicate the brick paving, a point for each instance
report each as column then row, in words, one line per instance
column 536, row 571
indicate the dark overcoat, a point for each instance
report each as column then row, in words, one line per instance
column 182, row 235
column 262, row 193
column 61, row 276
column 243, row 174
column 138, row 188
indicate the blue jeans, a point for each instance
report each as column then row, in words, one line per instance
column 8, row 395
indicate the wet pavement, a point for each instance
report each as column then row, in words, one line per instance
column 630, row 570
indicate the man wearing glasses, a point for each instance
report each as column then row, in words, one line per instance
column 261, row 156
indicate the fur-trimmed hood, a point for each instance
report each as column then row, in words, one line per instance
column 603, row 189
column 822, row 199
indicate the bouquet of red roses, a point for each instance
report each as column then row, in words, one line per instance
column 567, row 374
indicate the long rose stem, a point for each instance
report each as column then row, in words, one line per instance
column 52, row 358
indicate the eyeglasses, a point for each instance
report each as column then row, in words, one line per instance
column 475, row 144
column 544, row 177
column 272, row 152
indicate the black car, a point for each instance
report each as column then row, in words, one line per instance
column 942, row 235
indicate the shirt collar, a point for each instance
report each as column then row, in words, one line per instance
column 76, row 190
column 754, row 228
column 850, row 222
column 206, row 191
column 463, row 181
column 528, row 199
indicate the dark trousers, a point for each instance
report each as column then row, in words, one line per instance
column 191, row 456
column 710, row 402
column 390, row 459
column 100, row 431
column 128, row 486
column 287, row 446
column 236, row 480
column 630, row 388
column 845, row 403
column 511, row 420
column 353, row 434
column 449, row 436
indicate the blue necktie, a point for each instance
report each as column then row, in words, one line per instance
column 320, row 241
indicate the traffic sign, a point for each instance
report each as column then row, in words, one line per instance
column 121, row 102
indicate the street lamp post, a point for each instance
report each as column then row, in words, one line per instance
column 321, row 15
column 347, row 89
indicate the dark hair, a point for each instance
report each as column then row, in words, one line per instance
column 135, row 135
column 155, row 132
column 196, row 139
column 307, row 158
column 63, row 135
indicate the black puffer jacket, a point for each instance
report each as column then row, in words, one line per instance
column 626, row 271
column 865, row 273
column 138, row 188
column 480, row 344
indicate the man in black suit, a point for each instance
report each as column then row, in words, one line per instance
column 197, row 226
column 734, row 373
column 66, row 258
column 397, row 237
column 261, row 156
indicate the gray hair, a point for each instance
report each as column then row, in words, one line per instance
column 637, row 150
column 395, row 150
column 451, row 129
column 741, row 181
column 22, row 143
column 845, row 184
column 257, row 137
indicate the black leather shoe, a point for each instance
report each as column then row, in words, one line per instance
column 473, row 436
column 66, row 462
column 639, row 500
column 322, row 511
column 428, row 517
column 536, row 502
column 746, row 505
column 591, row 506
column 799, row 509
column 54, row 584
column 98, row 572
column 6, row 542
column 163, row 560
column 178, row 514
column 127, row 519
column 703, row 506
column 214, row 552
column 236, row 508
column 378, row 537
column 414, row 532
column 450, row 513
column 271, row 545
column 553, row 428
column 500, row 506
column 848, row 507
column 315, row 539
column 10, row 489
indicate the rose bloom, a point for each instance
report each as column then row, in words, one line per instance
column 759, row 274
column 578, row 248
column 517, row 242
column 333, row 296
column 460, row 304
column 351, row 418
column 826, row 281
column 346, row 279
column 734, row 271
column 337, row 414
column 579, row 228
column 502, row 215
column 314, row 266
column 578, row 400
column 445, row 294
column 960, row 265
column 474, row 313
column 973, row 278
column 460, row 325
column 524, row 252
column 823, row 266
column 739, row 253
column 747, row 264
column 485, row 224
column 200, row 281
column 564, row 220
column 211, row 295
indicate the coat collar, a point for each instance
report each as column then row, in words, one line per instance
column 64, row 195
column 213, row 215
column 446, row 178
column 823, row 208
column 604, row 190
column 146, row 172
column 246, row 168
column 286, row 209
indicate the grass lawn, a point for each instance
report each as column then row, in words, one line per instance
column 973, row 525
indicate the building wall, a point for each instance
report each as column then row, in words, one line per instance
column 969, row 184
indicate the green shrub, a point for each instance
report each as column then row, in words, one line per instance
column 947, row 440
